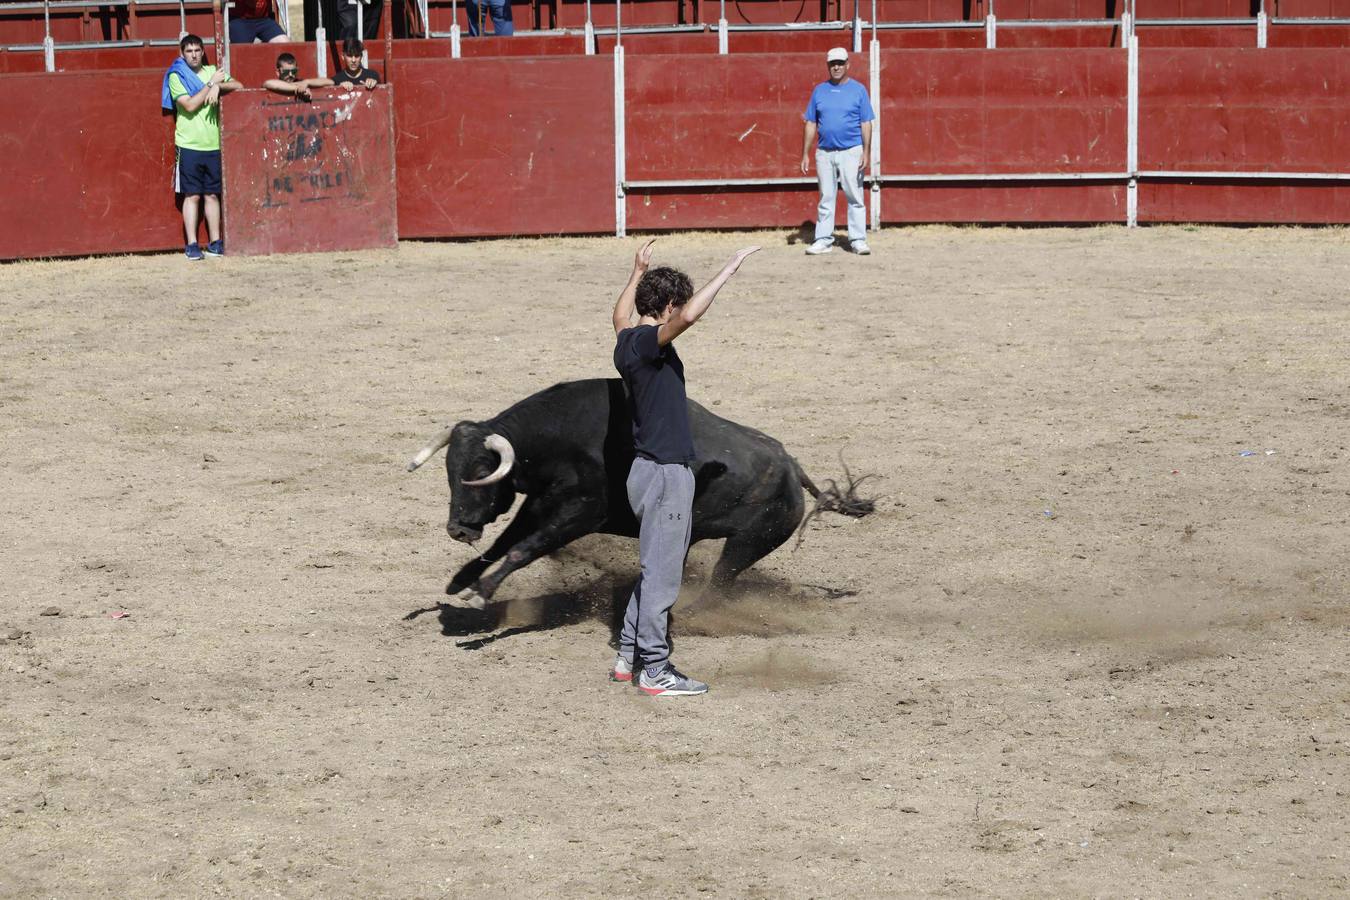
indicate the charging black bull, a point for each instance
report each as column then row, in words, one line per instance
column 568, row 450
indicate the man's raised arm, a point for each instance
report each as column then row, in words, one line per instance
column 698, row 304
column 623, row 307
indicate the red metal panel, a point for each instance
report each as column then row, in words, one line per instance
column 1197, row 36
column 1032, row 37
column 95, row 179
column 1016, row 111
column 1065, row 202
column 1311, row 8
column 720, row 116
column 1193, row 9
column 301, row 177
column 1175, row 201
column 505, row 146
column 1308, row 36
column 1244, row 110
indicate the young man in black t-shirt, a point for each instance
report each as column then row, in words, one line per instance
column 353, row 72
column 660, row 482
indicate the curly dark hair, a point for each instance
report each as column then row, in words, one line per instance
column 661, row 287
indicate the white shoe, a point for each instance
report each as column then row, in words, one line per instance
column 861, row 248
column 824, row 245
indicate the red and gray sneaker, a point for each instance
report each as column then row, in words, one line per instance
column 622, row 670
column 670, row 682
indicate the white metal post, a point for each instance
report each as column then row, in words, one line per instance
column 48, row 45
column 1262, row 24
column 590, row 31
column 320, row 43
column 224, row 55
column 360, row 25
column 722, row 43
column 1132, row 135
column 618, row 23
column 454, row 29
column 875, row 63
column 182, row 19
column 990, row 27
column 857, row 29
column 620, row 173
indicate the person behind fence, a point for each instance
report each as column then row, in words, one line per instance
column 288, row 80
column 500, row 12
column 192, row 89
column 660, row 481
column 371, row 11
column 840, row 114
column 353, row 72
column 252, row 20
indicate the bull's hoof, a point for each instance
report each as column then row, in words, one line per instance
column 468, row 598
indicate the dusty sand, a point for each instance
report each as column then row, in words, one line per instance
column 1084, row 647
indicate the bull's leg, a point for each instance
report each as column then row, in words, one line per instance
column 550, row 525
column 755, row 541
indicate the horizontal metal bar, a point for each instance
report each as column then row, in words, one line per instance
column 1003, row 176
column 924, row 26
column 721, row 182
column 995, row 177
column 1139, row 23
column 1059, row 23
column 1308, row 20
column 5, row 8
column 792, row 26
column 647, row 29
column 103, row 45
column 78, row 45
column 1258, row 176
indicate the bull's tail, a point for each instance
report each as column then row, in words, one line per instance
column 835, row 499
column 426, row 452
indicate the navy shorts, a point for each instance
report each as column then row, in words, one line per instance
column 246, row 31
column 197, row 172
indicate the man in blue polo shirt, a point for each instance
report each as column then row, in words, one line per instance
column 841, row 114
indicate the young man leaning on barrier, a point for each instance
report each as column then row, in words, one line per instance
column 353, row 72
column 288, row 80
column 192, row 90
column 660, row 482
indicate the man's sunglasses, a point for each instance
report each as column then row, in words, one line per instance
column 838, row 62
column 288, row 74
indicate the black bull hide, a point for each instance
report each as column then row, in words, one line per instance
column 573, row 447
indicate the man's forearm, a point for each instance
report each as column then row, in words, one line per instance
column 623, row 307
column 808, row 138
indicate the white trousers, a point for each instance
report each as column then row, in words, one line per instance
column 833, row 169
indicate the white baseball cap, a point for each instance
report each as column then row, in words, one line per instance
column 836, row 53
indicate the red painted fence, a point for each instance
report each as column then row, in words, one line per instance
column 512, row 145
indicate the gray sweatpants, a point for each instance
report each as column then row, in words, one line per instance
column 662, row 497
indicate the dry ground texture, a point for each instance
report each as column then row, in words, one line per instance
column 1087, row 645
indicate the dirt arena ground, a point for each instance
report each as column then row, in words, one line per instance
column 1093, row 642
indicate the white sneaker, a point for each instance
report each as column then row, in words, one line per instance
column 824, row 245
column 861, row 248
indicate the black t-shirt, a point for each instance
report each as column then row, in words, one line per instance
column 343, row 78
column 655, row 379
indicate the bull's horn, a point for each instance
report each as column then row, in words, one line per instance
column 425, row 453
column 502, row 447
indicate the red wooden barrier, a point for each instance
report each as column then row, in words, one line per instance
column 505, row 146
column 1249, row 111
column 98, row 178
column 300, row 177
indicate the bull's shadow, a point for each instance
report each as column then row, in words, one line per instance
column 760, row 605
column 601, row 599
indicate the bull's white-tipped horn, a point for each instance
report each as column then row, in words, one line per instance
column 425, row 453
column 502, row 447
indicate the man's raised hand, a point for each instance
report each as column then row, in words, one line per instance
column 735, row 262
column 643, row 259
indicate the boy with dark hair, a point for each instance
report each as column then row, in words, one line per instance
column 660, row 482
column 288, row 80
column 192, row 90
column 353, row 71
